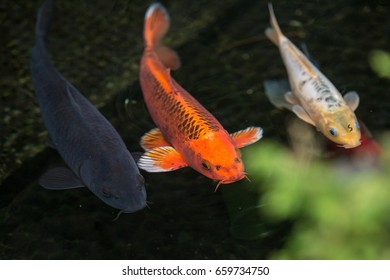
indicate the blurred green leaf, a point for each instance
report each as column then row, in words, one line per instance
column 380, row 62
column 339, row 214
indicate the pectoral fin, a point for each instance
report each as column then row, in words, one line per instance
column 352, row 99
column 247, row 136
column 153, row 139
column 301, row 113
column 161, row 159
column 60, row 178
column 290, row 98
column 276, row 92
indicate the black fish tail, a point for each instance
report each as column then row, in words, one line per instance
column 43, row 20
column 46, row 79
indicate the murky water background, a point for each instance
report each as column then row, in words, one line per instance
column 225, row 58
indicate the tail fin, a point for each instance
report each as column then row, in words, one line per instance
column 273, row 32
column 43, row 20
column 156, row 26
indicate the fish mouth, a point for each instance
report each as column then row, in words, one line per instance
column 230, row 180
column 138, row 202
column 353, row 145
column 131, row 210
column 134, row 208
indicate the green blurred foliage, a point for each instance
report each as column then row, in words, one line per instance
column 380, row 62
column 338, row 213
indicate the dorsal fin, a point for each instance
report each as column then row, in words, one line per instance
column 307, row 65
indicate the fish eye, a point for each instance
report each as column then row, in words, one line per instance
column 106, row 193
column 333, row 131
column 206, row 164
column 357, row 125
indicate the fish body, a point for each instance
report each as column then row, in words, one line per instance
column 187, row 134
column 313, row 98
column 95, row 154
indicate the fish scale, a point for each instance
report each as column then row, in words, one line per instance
column 192, row 120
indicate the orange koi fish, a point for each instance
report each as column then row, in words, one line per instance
column 187, row 134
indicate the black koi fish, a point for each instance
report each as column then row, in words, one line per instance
column 94, row 152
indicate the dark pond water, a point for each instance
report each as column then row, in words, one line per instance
column 225, row 59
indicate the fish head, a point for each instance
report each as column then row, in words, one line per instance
column 342, row 128
column 369, row 149
column 220, row 160
column 128, row 196
column 118, row 184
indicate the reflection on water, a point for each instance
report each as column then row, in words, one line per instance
column 225, row 59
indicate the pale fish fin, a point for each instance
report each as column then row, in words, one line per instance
column 275, row 91
column 161, row 159
column 247, row 136
column 273, row 33
column 290, row 98
column 308, row 55
column 304, row 61
column 153, row 139
column 60, row 178
column 301, row 113
column 352, row 99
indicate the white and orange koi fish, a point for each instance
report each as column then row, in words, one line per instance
column 313, row 98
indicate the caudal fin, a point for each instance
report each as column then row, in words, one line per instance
column 273, row 32
column 43, row 20
column 156, row 26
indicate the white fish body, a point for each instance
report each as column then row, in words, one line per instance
column 313, row 98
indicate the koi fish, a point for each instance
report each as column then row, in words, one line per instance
column 369, row 150
column 95, row 154
column 313, row 98
column 187, row 134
